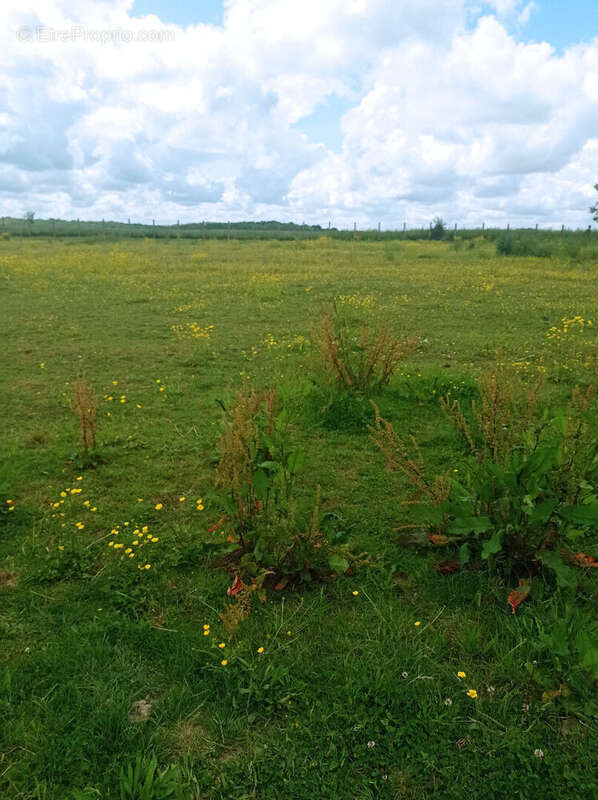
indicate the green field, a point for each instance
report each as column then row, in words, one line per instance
column 355, row 694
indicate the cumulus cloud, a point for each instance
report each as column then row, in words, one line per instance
column 449, row 113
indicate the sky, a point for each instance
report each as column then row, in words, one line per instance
column 366, row 111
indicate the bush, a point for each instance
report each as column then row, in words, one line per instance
column 361, row 361
column 527, row 484
column 257, row 472
column 438, row 229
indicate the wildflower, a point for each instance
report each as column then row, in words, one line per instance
column 79, row 525
column 206, row 627
column 86, row 503
column 206, row 632
column 417, row 624
column 131, row 555
column 224, row 662
column 155, row 539
column 448, row 702
column 404, row 674
column 148, row 566
column 158, row 506
column 181, row 499
column 472, row 693
column 128, row 550
column 260, row 650
column 140, row 499
column 61, row 547
column 221, row 645
column 136, row 541
column 161, row 388
column 461, row 674
column 63, row 494
column 355, row 593
column 94, row 508
column 371, row 744
column 126, row 524
column 539, row 753
column 144, row 529
column 491, row 690
column 111, row 543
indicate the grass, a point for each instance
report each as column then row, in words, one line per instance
column 350, row 698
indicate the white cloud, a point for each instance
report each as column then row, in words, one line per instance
column 445, row 118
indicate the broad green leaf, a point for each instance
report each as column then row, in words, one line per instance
column 470, row 525
column 338, row 563
column 261, row 484
column 581, row 514
column 565, row 576
column 492, row 545
column 541, row 513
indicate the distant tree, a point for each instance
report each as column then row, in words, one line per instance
column 438, row 228
column 29, row 217
column 594, row 209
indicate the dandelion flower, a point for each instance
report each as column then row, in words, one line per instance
column 260, row 650
column 224, row 662
column 61, row 547
column 206, row 627
column 221, row 645
column 155, row 539
column 472, row 693
column 158, row 506
column 461, row 674
column 148, row 566
column 417, row 624
column 181, row 499
column 355, row 593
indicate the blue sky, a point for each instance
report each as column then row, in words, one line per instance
column 559, row 22
column 370, row 111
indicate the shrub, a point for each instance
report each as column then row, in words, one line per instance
column 527, row 484
column 438, row 229
column 257, row 471
column 361, row 361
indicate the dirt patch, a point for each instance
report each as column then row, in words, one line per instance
column 140, row 710
column 8, row 579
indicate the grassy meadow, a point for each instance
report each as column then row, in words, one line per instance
column 111, row 661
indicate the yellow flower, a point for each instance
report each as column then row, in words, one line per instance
column 136, row 541
column 472, row 693
column 148, row 566
column 461, row 674
column 158, row 506
column 206, row 632
column 61, row 547
column 131, row 555
column 86, row 503
column 355, row 593
column 224, row 662
column 417, row 624
column 181, row 499
column 63, row 494
column 161, row 388
column 260, row 650
column 111, row 543
column 221, row 645
column 155, row 539
column 128, row 550
column 206, row 627
column 145, row 529
column 140, row 499
column 94, row 508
